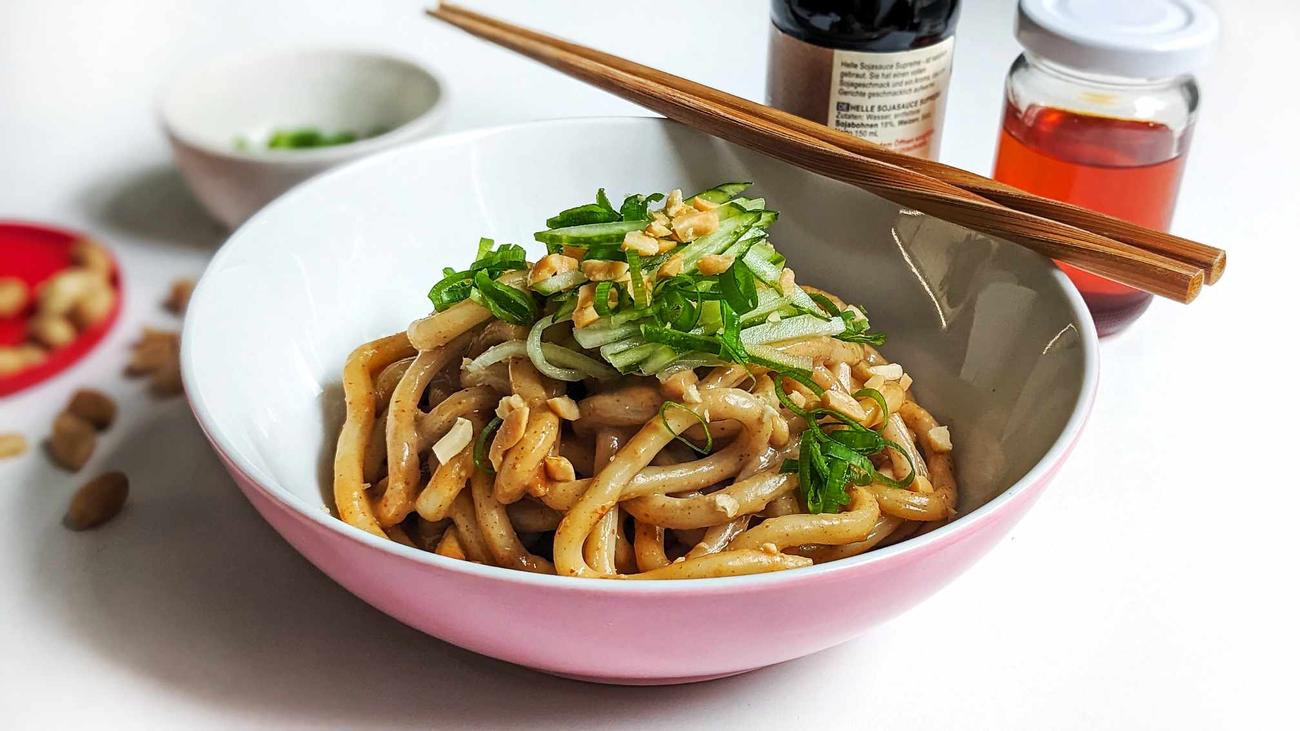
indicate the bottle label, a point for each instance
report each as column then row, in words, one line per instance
column 894, row 99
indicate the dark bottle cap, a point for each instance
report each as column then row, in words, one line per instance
column 867, row 25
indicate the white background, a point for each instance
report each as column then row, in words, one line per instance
column 1154, row 586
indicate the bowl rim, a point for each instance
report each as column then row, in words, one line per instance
column 266, row 485
column 331, row 154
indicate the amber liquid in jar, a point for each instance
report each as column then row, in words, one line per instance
column 1129, row 169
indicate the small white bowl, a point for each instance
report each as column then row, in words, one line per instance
column 208, row 111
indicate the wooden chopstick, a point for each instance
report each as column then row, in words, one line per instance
column 1121, row 262
column 1209, row 259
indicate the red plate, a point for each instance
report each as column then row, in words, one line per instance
column 34, row 253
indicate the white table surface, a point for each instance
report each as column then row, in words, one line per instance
column 1153, row 586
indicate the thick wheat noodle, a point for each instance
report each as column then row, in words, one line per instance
column 521, row 468
column 386, row 381
column 683, row 477
column 599, row 548
column 376, row 447
column 495, row 377
column 449, row 545
column 397, row 534
column 580, row 454
column 783, row 505
column 885, row 525
column 446, row 482
column 431, row 426
column 427, row 533
column 530, row 516
column 894, row 397
column 828, row 529
column 468, row 532
column 624, row 551
column 605, row 489
column 941, row 503
column 742, row 497
column 727, row 563
column 350, row 496
column 403, row 440
column 631, row 405
column 498, row 533
column 716, row 538
column 896, row 430
column 437, row 330
column 649, row 546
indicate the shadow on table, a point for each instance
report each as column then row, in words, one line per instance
column 189, row 588
column 154, row 204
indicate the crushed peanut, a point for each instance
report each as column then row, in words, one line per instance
column 940, row 439
column 673, row 205
column 97, row 502
column 564, row 407
column 774, row 317
column 454, row 441
column 843, row 403
column 550, row 265
column 714, row 264
column 508, row 435
column 727, row 504
column 700, row 204
column 671, row 267
column 604, row 271
column 576, row 253
column 693, row 224
column 905, row 382
column 585, row 312
column 640, row 242
column 786, row 281
column 559, row 469
column 770, row 549
column 891, row 372
column 659, row 230
column 510, row 403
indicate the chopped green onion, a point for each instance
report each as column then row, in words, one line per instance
column 876, row 396
column 505, row 302
column 738, row 289
column 708, row 435
column 600, row 300
column 639, row 296
column 481, row 446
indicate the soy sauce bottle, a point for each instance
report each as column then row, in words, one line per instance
column 877, row 69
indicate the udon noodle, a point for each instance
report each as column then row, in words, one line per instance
column 690, row 473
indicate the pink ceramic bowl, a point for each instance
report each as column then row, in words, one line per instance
column 998, row 341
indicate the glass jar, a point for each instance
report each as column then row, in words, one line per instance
column 1104, row 129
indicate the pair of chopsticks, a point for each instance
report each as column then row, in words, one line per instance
column 1152, row 261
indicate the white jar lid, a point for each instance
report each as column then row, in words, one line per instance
column 1134, row 38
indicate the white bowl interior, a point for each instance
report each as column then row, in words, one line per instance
column 998, row 343
column 328, row 89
